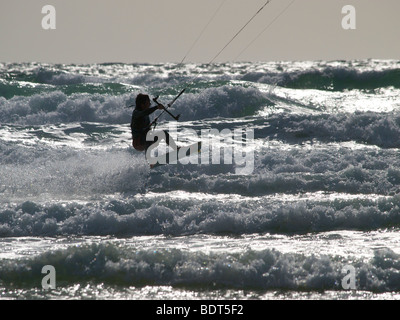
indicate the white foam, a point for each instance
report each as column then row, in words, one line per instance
column 259, row 270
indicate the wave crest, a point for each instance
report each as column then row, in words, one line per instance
column 260, row 270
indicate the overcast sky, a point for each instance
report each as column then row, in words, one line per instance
column 91, row 31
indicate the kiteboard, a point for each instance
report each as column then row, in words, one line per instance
column 173, row 157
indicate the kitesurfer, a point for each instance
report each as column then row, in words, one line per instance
column 140, row 124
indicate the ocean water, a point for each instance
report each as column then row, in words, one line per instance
column 322, row 198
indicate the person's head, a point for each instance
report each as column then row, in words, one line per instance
column 142, row 101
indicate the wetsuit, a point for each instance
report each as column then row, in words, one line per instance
column 140, row 125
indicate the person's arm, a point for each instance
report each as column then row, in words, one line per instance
column 143, row 113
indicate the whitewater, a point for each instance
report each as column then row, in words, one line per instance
column 323, row 195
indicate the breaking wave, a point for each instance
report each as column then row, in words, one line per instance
column 168, row 216
column 256, row 270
